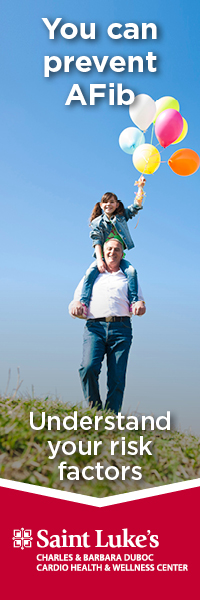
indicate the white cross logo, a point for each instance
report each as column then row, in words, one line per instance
column 22, row 538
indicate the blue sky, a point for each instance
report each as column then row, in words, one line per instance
column 57, row 162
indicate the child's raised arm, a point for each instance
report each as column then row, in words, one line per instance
column 140, row 193
column 133, row 209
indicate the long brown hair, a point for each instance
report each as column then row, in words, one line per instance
column 97, row 210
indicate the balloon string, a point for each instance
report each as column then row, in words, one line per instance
column 143, row 205
column 146, row 161
column 137, row 222
column 141, row 135
column 152, row 133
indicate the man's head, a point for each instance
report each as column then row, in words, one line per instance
column 113, row 252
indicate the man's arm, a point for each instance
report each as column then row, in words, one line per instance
column 75, row 306
column 140, row 294
column 139, row 308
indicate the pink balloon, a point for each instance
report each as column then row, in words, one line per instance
column 168, row 126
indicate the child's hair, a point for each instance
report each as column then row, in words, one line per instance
column 97, row 210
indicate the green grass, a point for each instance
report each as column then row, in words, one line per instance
column 24, row 452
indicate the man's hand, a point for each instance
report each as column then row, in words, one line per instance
column 77, row 309
column 139, row 308
column 101, row 265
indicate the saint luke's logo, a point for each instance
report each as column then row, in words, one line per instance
column 22, row 538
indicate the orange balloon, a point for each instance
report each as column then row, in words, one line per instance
column 184, row 162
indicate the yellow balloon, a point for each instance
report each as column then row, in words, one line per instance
column 164, row 103
column 184, row 132
column 146, row 159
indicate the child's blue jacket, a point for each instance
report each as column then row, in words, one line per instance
column 101, row 226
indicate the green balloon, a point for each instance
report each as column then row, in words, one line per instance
column 164, row 103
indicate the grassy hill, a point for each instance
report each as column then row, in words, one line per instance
column 24, row 452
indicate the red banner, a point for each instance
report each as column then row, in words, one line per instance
column 50, row 546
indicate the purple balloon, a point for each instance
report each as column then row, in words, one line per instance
column 168, row 126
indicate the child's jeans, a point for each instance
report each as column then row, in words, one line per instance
column 93, row 272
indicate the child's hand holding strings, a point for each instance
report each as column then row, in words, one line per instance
column 141, row 181
column 140, row 193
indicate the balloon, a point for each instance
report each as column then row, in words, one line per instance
column 142, row 111
column 130, row 138
column 164, row 103
column 184, row 162
column 184, row 132
column 168, row 126
column 146, row 159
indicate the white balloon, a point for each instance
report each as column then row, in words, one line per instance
column 142, row 111
column 130, row 138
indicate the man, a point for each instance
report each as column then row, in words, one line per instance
column 108, row 330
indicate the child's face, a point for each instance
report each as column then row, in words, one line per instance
column 109, row 206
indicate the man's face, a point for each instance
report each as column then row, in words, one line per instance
column 113, row 253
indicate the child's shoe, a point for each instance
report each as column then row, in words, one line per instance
column 85, row 311
column 131, row 307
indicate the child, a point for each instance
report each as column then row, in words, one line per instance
column 109, row 219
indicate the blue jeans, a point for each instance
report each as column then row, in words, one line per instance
column 93, row 272
column 114, row 340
